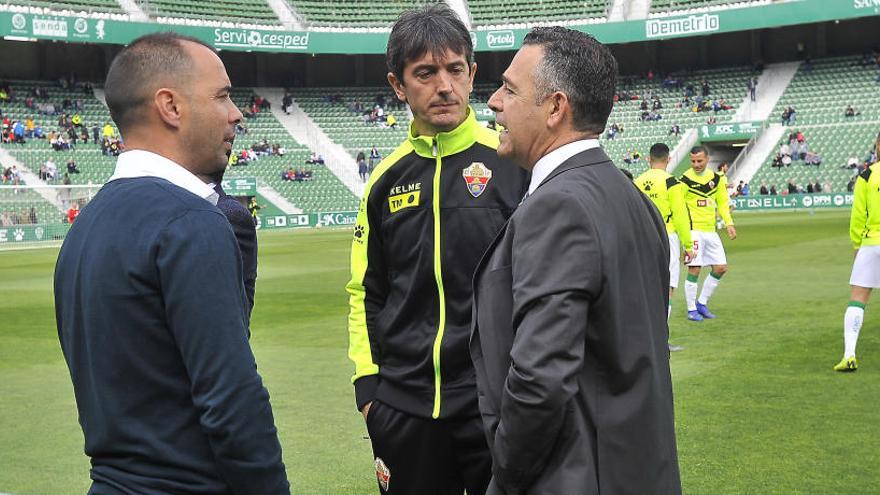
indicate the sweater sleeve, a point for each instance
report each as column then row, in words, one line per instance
column 201, row 281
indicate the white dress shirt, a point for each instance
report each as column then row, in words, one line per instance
column 141, row 163
column 548, row 163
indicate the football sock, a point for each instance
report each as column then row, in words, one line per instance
column 668, row 311
column 690, row 292
column 852, row 323
column 709, row 286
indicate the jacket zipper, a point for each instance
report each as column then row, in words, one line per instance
column 441, row 325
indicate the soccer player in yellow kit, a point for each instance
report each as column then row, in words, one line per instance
column 706, row 196
column 668, row 195
column 864, row 231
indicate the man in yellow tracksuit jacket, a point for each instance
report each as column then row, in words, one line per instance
column 864, row 231
column 706, row 196
column 430, row 209
column 668, row 195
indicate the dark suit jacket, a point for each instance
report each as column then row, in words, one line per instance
column 569, row 340
column 246, row 235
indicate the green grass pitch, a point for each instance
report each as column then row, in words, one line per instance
column 758, row 409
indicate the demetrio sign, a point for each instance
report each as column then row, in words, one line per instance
column 87, row 30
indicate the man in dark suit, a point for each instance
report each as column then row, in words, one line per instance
column 150, row 303
column 569, row 327
column 245, row 235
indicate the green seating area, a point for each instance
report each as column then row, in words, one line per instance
column 245, row 11
column 352, row 13
column 820, row 96
column 491, row 12
column 95, row 168
column 15, row 208
column 835, row 144
column 346, row 127
column 324, row 193
column 666, row 6
column 109, row 6
column 725, row 84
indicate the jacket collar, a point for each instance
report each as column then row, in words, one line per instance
column 447, row 143
column 592, row 156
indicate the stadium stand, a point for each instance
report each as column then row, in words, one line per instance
column 676, row 6
column 246, row 11
column 727, row 84
column 820, row 93
column 352, row 13
column 491, row 12
column 333, row 109
column 110, row 6
column 323, row 193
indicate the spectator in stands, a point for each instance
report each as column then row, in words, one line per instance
column 817, row 187
column 812, row 158
column 66, row 181
column 51, row 169
column 18, row 132
column 363, row 170
column 375, row 158
column 753, row 88
column 675, row 130
column 109, row 132
column 391, row 121
column 315, row 159
column 763, row 191
column 286, row 102
column 792, row 187
column 772, row 189
column 71, row 167
column 711, row 120
column 705, row 88
column 810, row 189
column 851, row 184
column 739, row 189
column 745, row 189
column 852, row 163
column 850, row 111
column 96, row 134
column 73, row 212
column 777, row 160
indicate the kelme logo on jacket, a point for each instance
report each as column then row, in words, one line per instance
column 477, row 177
column 400, row 197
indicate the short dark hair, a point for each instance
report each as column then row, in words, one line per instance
column 699, row 149
column 576, row 64
column 142, row 66
column 659, row 151
column 433, row 28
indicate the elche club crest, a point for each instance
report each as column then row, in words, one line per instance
column 383, row 474
column 477, row 177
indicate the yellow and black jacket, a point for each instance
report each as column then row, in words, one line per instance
column 429, row 211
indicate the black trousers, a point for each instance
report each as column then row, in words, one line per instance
column 417, row 456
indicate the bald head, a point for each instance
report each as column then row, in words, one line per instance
column 149, row 63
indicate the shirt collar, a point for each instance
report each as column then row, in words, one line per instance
column 549, row 162
column 141, row 163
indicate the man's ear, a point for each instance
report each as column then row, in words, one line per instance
column 169, row 106
column 397, row 86
column 559, row 110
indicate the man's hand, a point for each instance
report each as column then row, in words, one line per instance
column 688, row 255
column 731, row 232
column 366, row 410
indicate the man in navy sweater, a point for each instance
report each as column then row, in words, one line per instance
column 150, row 305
